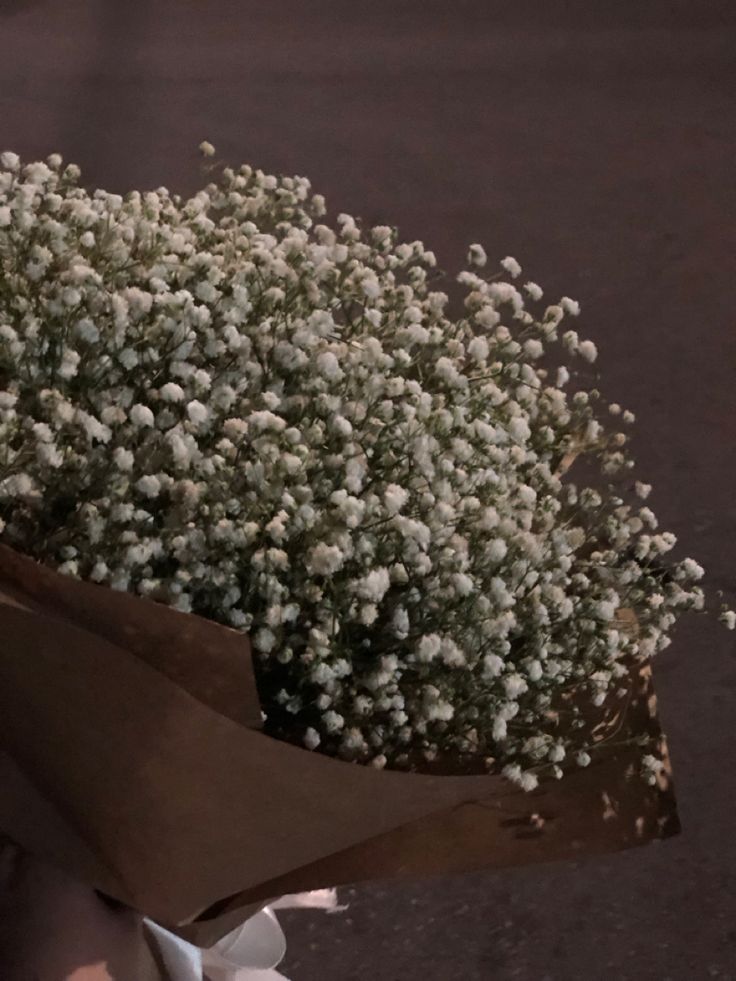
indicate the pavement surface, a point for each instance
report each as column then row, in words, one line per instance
column 595, row 143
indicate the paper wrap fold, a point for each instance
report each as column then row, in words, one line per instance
column 131, row 757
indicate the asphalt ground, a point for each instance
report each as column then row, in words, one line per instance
column 593, row 141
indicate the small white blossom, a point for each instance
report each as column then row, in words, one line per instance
column 515, row 685
column 528, row 781
column 324, row 560
column 395, row 497
column 333, row 721
column 311, row 738
column 428, row 648
column 149, row 485
column 477, row 255
column 9, row 160
column 171, row 392
column 264, row 640
column 141, row 415
column 197, row 412
column 692, row 570
column 374, row 586
column 588, row 350
column 728, row 617
column 69, row 363
column 329, row 366
column 511, row 266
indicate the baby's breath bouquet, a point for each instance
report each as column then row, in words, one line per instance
column 230, row 406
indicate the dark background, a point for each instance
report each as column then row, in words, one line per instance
column 592, row 140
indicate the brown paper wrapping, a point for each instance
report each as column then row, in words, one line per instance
column 132, row 758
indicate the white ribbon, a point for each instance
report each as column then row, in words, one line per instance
column 251, row 952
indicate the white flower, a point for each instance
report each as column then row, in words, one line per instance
column 94, row 429
column 728, row 617
column 48, row 454
column 428, row 648
column 463, row 584
column 311, row 738
column 197, row 412
column 588, row 350
column 478, row 349
column 324, row 560
column 477, row 255
column 329, row 366
column 264, row 640
column 207, row 149
column 606, row 610
column 528, row 781
column 69, row 363
column 141, row 415
column 447, row 370
column 557, row 753
column 487, row 317
column 171, row 392
column 515, row 685
column 512, row 772
column 691, row 569
column 87, row 330
column 264, row 421
column 351, row 508
column 571, row 307
column 395, row 498
column 511, row 266
column 492, row 665
column 149, row 485
column 19, row 485
column 437, row 709
column 368, row 614
column 374, row 586
column 400, row 622
column 519, row 429
column 42, row 432
column 333, row 721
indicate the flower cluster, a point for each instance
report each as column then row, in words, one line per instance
column 226, row 405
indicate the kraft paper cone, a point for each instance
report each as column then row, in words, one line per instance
column 126, row 764
column 211, row 662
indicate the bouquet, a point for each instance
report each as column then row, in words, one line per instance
column 252, row 417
